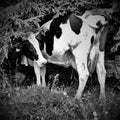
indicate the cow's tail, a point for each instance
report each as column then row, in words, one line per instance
column 92, row 60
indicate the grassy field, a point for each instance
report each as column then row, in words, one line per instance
column 35, row 103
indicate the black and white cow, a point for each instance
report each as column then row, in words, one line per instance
column 72, row 40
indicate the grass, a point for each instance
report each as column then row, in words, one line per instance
column 35, row 103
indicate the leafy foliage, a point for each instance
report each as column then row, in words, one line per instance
column 113, row 67
column 117, row 36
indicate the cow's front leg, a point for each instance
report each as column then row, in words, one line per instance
column 42, row 75
column 37, row 73
column 83, row 76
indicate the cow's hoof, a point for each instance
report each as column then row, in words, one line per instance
column 102, row 99
column 77, row 96
column 38, row 84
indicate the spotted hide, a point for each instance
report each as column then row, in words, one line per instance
column 72, row 40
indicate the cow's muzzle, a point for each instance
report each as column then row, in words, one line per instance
column 42, row 63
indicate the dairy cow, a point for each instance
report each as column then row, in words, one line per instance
column 71, row 40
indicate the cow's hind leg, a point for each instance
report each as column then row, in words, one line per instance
column 101, row 72
column 83, row 77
